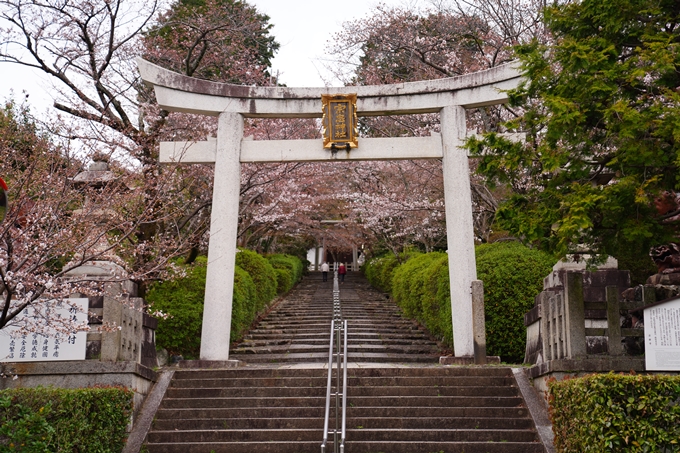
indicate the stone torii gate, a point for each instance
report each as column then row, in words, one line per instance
column 231, row 103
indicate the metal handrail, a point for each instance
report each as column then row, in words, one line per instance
column 337, row 325
column 328, row 390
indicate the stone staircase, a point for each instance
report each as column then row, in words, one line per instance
column 297, row 329
column 428, row 409
column 399, row 399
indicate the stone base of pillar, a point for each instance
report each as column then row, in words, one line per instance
column 210, row 364
column 468, row 360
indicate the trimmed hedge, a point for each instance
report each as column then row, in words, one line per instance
column 182, row 299
column 421, row 288
column 380, row 270
column 288, row 271
column 92, row 420
column 616, row 413
column 263, row 276
column 255, row 286
column 512, row 275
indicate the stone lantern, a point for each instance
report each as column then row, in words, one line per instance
column 133, row 339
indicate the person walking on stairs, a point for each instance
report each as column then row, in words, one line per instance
column 324, row 271
column 342, row 270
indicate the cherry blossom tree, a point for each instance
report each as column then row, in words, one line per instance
column 55, row 225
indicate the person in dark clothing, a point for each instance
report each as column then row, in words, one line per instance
column 342, row 270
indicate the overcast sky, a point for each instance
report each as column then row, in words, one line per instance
column 302, row 27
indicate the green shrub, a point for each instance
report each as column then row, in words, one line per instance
column 262, row 274
column 420, row 287
column 182, row 299
column 244, row 303
column 616, row 413
column 380, row 270
column 513, row 276
column 64, row 420
column 288, row 271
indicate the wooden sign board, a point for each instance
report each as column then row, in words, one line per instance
column 339, row 121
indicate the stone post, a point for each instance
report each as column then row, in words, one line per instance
column 576, row 324
column 478, row 323
column 459, row 227
column 614, row 345
column 219, row 286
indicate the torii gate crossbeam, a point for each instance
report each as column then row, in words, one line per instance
column 231, row 103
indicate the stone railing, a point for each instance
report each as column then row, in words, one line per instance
column 120, row 330
column 575, row 325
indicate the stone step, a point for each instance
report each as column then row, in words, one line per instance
column 374, row 391
column 475, row 413
column 351, row 348
column 351, row 447
column 357, row 435
column 311, row 357
column 353, row 422
column 362, row 401
column 352, row 381
column 380, row 372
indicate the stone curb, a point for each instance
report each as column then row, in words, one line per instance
column 537, row 408
column 148, row 412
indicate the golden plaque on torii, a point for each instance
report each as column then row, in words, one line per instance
column 339, row 121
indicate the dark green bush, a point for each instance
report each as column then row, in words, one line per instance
column 92, row 420
column 420, row 287
column 262, row 274
column 512, row 275
column 616, row 413
column 288, row 270
column 182, row 299
column 379, row 270
column 244, row 303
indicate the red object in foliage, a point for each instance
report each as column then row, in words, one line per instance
column 3, row 185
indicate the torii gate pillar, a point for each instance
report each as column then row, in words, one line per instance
column 231, row 103
column 219, row 281
column 459, row 227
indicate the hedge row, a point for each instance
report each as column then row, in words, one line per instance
column 91, row 420
column 256, row 283
column 616, row 413
column 512, row 275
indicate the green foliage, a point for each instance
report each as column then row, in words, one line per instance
column 182, row 299
column 255, row 283
column 616, row 413
column 64, row 420
column 288, row 270
column 512, row 275
column 601, row 115
column 244, row 303
column 263, row 276
column 380, row 269
column 421, row 288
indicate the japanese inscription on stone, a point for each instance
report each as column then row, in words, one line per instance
column 16, row 346
column 662, row 336
column 339, row 121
